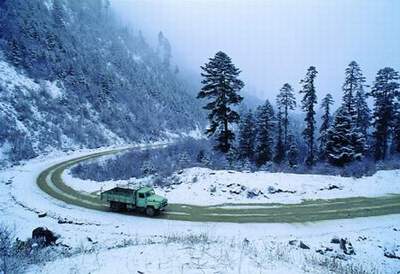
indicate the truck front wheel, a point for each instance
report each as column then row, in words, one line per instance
column 150, row 211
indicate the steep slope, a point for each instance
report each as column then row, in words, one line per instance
column 71, row 76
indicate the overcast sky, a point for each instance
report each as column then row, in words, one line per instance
column 275, row 41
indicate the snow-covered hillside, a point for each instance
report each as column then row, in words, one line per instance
column 67, row 81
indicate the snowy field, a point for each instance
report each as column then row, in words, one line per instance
column 110, row 242
column 202, row 186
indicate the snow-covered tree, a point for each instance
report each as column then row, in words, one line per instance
column 58, row 13
column 164, row 49
column 221, row 85
column 293, row 152
column 16, row 52
column 363, row 113
column 203, row 158
column 339, row 147
column 396, row 127
column 148, row 168
column 184, row 160
column 246, row 137
column 354, row 82
column 308, row 102
column 326, row 103
column 264, row 133
column 384, row 91
column 286, row 101
column 355, row 102
column 279, row 154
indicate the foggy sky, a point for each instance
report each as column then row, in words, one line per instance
column 275, row 41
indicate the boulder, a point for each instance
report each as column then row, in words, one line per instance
column 213, row 189
column 251, row 193
column 320, row 251
column 391, row 254
column 335, row 240
column 44, row 236
column 339, row 256
column 42, row 214
column 273, row 190
column 347, row 247
column 293, row 242
column 303, row 245
column 235, row 191
column 361, row 238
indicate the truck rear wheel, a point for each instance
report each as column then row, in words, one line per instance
column 150, row 211
column 116, row 206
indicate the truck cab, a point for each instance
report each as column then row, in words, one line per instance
column 146, row 196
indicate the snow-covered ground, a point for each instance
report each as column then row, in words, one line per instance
column 129, row 244
column 202, row 186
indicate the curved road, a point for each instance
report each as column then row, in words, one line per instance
column 50, row 181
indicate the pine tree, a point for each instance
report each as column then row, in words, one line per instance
column 384, row 92
column 164, row 49
column 264, row 133
column 293, row 152
column 202, row 158
column 339, row 147
column 356, row 106
column 308, row 102
column 363, row 113
column 396, row 127
column 286, row 101
column 16, row 52
column 246, row 137
column 280, row 146
column 354, row 82
column 148, row 168
column 184, row 160
column 326, row 123
column 221, row 85
column 58, row 13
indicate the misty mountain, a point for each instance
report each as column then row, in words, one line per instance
column 72, row 76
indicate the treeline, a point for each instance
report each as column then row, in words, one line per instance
column 266, row 134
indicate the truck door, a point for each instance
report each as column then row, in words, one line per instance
column 141, row 200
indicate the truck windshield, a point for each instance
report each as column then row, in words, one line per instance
column 149, row 193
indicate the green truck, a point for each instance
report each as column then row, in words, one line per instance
column 142, row 198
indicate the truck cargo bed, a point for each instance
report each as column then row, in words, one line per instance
column 118, row 194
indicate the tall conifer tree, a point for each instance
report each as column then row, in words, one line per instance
column 308, row 103
column 264, row 133
column 221, row 86
column 286, row 101
column 384, row 91
column 326, row 123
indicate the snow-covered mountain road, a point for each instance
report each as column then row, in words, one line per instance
column 128, row 238
column 50, row 181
